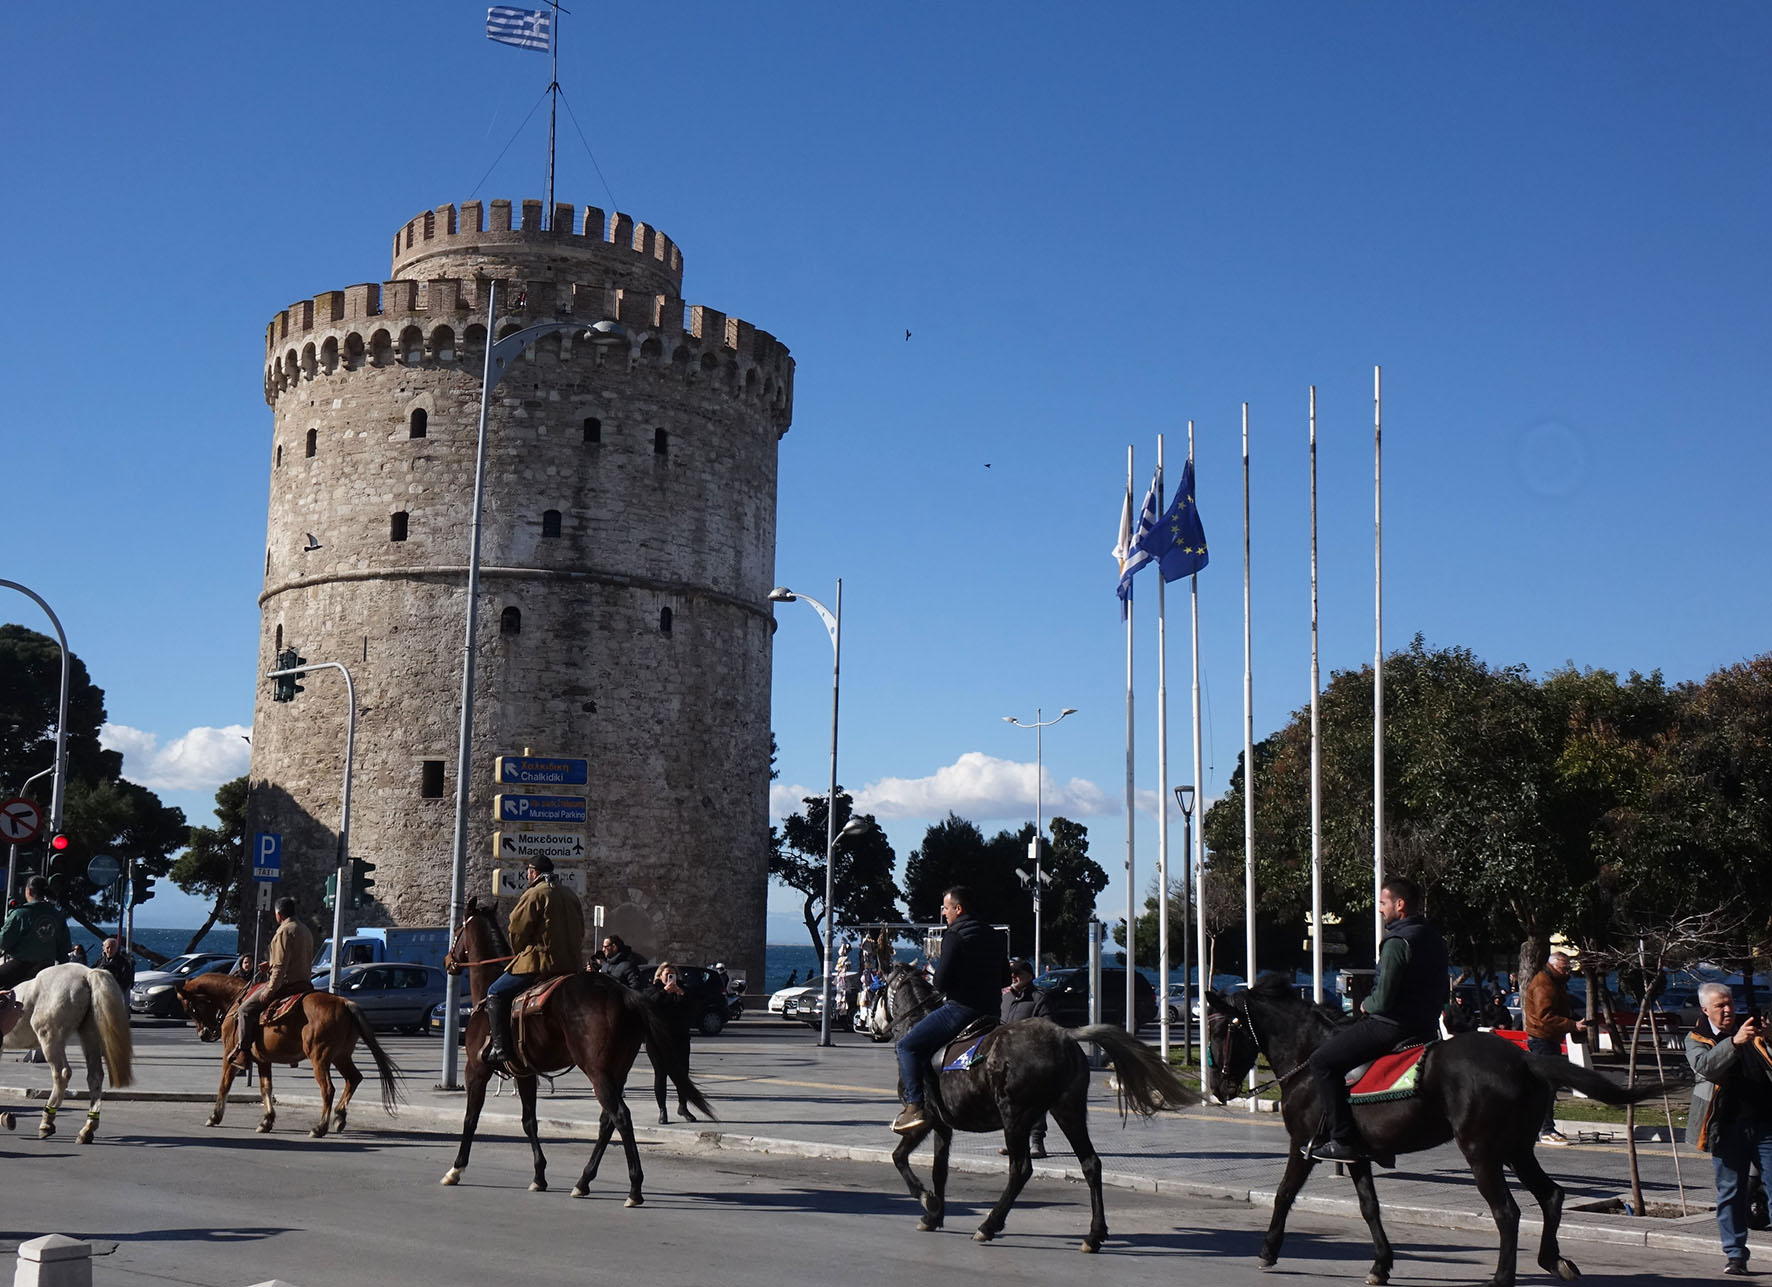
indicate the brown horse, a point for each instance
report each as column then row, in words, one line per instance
column 322, row 1028
column 589, row 1021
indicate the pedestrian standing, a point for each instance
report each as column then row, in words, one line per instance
column 1022, row 1000
column 1731, row 1110
column 1550, row 1017
column 674, row 1006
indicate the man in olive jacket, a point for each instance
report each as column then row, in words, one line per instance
column 34, row 936
column 291, row 968
column 1731, row 1114
column 547, row 934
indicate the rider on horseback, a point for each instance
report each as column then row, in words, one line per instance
column 291, row 969
column 1404, row 1006
column 969, row 972
column 547, row 934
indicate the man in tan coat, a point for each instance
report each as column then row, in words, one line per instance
column 547, row 934
column 1550, row 1016
column 291, row 968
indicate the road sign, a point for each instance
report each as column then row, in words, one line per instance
column 561, row 846
column 510, row 882
column 264, row 896
column 103, row 869
column 541, row 770
column 538, row 808
column 20, row 819
column 267, row 855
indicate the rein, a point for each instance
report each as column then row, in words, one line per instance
column 928, row 1003
column 484, row 960
column 1280, row 1081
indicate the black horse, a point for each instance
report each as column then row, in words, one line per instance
column 1021, row 1072
column 1478, row 1089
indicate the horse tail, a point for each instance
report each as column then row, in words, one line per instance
column 392, row 1096
column 112, row 1013
column 1563, row 1075
column 662, row 1050
column 1147, row 1084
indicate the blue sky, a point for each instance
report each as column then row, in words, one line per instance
column 1546, row 222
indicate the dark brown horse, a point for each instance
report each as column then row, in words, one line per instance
column 590, row 1022
column 321, row 1028
column 1477, row 1089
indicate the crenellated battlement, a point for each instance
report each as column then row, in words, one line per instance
column 489, row 231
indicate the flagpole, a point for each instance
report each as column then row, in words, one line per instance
column 1316, row 744
column 1248, row 746
column 1131, row 816
column 1163, row 798
column 1199, row 835
column 1377, row 663
column 553, row 107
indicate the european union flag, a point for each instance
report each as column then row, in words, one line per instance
column 1178, row 542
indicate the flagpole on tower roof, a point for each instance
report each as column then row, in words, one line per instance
column 547, row 218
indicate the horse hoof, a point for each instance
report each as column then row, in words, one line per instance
column 317, row 1133
column 1566, row 1269
column 214, row 1121
column 579, row 1191
column 452, row 1176
column 84, row 1137
column 1090, row 1246
column 983, row 1235
column 635, row 1201
column 8, row 1121
column 45, row 1131
column 1376, row 1279
column 931, row 1204
column 536, row 1186
column 927, row 1225
column 1264, row 1262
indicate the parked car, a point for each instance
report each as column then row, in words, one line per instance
column 465, row 1008
column 153, row 994
column 706, row 989
column 1067, row 996
column 1224, row 984
column 391, row 996
column 779, row 1000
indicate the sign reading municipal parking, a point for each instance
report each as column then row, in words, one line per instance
column 267, row 855
column 561, row 846
column 538, row 808
column 541, row 770
column 20, row 819
column 510, row 882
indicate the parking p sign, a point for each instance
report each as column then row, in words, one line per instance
column 267, row 856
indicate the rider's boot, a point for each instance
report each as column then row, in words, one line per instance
column 242, row 1058
column 1344, row 1143
column 498, row 1019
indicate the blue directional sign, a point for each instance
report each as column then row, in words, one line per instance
column 538, row 808
column 267, row 856
column 542, row 770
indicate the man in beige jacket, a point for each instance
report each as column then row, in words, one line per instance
column 291, row 969
column 547, row 934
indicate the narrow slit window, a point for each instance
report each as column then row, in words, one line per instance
column 431, row 780
column 661, row 442
column 313, row 442
column 279, row 455
column 550, row 522
column 593, row 429
column 397, row 526
column 510, row 622
column 420, row 423
column 664, row 621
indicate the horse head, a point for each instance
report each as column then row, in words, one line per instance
column 1231, row 1045
column 206, row 999
column 909, row 997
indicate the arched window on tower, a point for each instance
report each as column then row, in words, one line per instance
column 510, row 622
column 664, row 621
column 313, row 442
column 593, row 429
column 550, row 522
column 397, row 526
column 661, row 442
column 420, row 423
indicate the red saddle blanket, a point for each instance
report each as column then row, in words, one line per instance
column 1393, row 1076
column 281, row 1006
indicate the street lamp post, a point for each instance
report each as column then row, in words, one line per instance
column 58, row 787
column 1039, row 848
column 1184, row 796
column 833, row 624
column 500, row 354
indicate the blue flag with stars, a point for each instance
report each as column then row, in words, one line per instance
column 1178, row 542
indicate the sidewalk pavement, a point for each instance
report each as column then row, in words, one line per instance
column 779, row 1093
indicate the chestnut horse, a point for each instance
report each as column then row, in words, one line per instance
column 322, row 1028
column 589, row 1021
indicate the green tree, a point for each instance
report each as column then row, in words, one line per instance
column 121, row 819
column 214, row 862
column 1077, row 880
column 955, row 852
column 30, row 693
column 863, row 888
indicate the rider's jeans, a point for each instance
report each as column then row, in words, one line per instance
column 1738, row 1146
column 931, row 1032
column 510, row 983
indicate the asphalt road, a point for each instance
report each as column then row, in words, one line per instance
column 167, row 1201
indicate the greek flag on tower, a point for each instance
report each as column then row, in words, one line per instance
column 524, row 28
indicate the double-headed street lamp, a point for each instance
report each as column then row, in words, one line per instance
column 500, row 354
column 833, row 623
column 1184, row 796
column 1036, row 851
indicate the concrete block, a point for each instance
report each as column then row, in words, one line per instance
column 54, row 1260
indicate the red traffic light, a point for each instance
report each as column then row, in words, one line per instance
column 58, row 843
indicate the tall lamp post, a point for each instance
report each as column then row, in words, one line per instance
column 57, row 787
column 500, row 354
column 1037, row 851
column 833, row 624
column 1184, row 796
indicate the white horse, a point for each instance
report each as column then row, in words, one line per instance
column 72, row 998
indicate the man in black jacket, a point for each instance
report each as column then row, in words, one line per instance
column 1405, row 1005
column 969, row 972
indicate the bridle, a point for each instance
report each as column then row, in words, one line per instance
column 210, row 1029
column 1248, row 1020
column 928, row 1003
column 455, row 942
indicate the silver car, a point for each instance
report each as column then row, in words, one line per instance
column 391, row 995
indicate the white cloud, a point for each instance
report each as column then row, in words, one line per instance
column 200, row 760
column 975, row 786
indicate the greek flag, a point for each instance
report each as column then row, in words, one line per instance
column 524, row 28
column 1130, row 550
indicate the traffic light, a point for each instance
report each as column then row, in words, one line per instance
column 330, row 898
column 285, row 687
column 362, row 880
column 141, row 889
column 58, row 845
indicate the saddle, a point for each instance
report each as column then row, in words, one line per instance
column 528, row 1003
column 962, row 1052
column 278, row 1008
column 1393, row 1076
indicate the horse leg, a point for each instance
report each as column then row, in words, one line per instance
column 526, row 1088
column 323, row 1078
column 1382, row 1255
column 221, row 1095
column 1021, row 1170
column 1550, row 1199
column 1072, row 1115
column 901, row 1158
column 478, row 1074
column 624, row 1121
column 55, row 1053
column 605, row 1130
column 265, row 1098
column 1298, row 1170
column 938, row 1171
column 1492, row 1184
column 353, row 1078
column 92, row 1046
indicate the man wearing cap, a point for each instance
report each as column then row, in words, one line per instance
column 291, row 967
column 1024, row 1001
column 547, row 934
column 34, row 936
